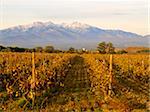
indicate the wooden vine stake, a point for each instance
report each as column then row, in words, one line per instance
column 143, row 64
column 33, row 81
column 110, row 75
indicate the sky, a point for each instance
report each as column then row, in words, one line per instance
column 128, row 15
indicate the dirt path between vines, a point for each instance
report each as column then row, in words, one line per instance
column 77, row 78
column 76, row 84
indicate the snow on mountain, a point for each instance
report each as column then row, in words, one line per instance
column 76, row 25
column 66, row 35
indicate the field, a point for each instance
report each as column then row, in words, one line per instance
column 74, row 82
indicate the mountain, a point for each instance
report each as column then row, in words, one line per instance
column 64, row 35
column 147, row 36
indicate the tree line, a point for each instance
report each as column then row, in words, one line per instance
column 103, row 48
column 48, row 49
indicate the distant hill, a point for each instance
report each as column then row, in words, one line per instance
column 64, row 35
column 147, row 36
column 135, row 49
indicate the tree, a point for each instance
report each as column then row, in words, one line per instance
column 143, row 51
column 110, row 49
column 71, row 50
column 121, row 52
column 30, row 50
column 7, row 49
column 1, row 48
column 38, row 49
column 104, row 48
column 49, row 49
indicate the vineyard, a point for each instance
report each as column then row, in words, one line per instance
column 74, row 82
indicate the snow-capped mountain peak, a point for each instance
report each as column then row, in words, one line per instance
column 34, row 24
column 38, row 24
column 65, row 35
column 76, row 25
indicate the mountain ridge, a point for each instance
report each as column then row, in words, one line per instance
column 66, row 35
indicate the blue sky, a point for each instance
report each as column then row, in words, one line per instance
column 128, row 15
